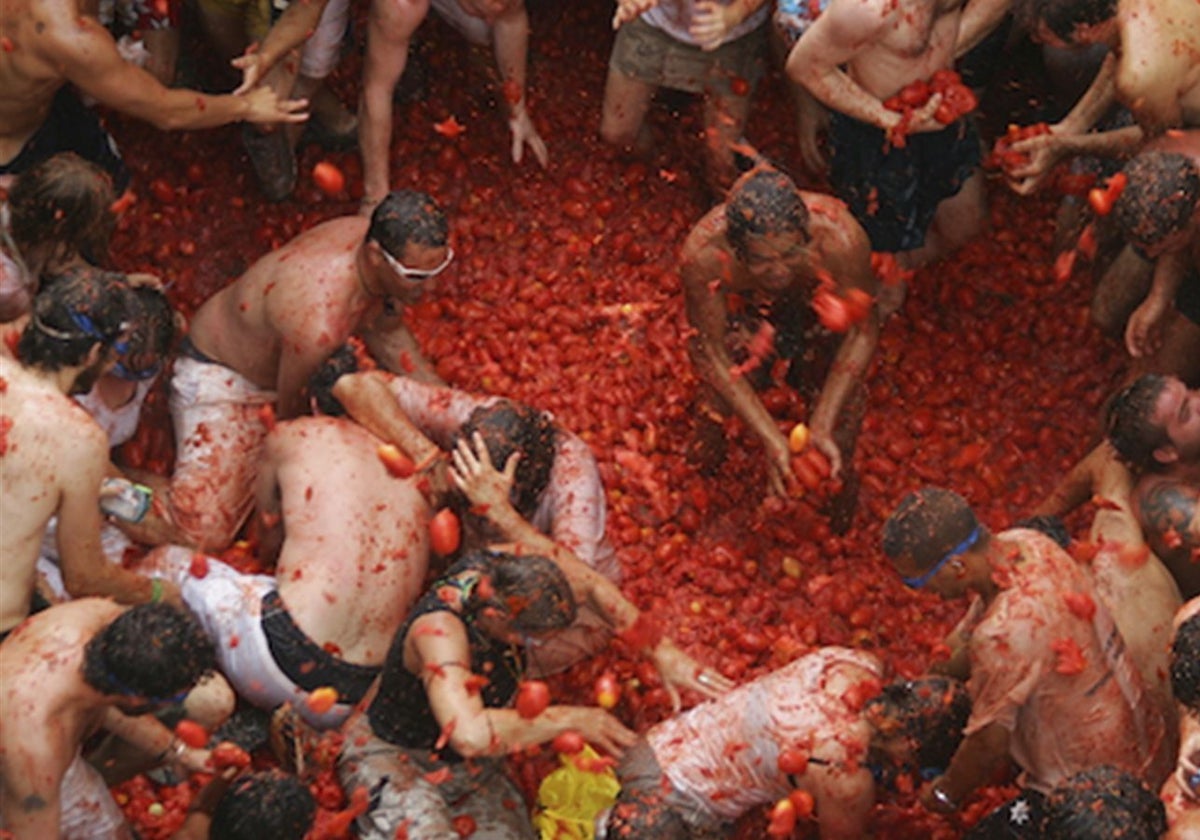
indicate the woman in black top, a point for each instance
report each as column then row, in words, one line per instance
column 428, row 747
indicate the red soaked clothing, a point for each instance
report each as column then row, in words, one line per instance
column 1060, row 680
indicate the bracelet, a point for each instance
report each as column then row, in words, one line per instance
column 174, row 750
column 156, row 590
column 943, row 799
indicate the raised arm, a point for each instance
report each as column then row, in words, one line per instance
column 368, row 399
column 979, row 18
column 442, row 654
column 488, row 491
column 88, row 57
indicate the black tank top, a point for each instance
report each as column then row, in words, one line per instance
column 400, row 712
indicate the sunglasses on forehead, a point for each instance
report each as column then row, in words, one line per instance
column 416, row 274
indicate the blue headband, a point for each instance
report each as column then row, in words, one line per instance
column 921, row 580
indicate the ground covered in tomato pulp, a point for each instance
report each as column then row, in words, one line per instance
column 565, row 295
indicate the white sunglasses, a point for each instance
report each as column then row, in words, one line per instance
column 415, row 274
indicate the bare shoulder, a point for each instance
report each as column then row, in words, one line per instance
column 854, row 16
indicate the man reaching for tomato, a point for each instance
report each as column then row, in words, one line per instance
column 254, row 345
column 1053, row 685
column 821, row 738
column 786, row 252
column 911, row 179
column 452, row 702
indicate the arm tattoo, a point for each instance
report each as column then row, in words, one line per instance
column 33, row 802
column 1168, row 506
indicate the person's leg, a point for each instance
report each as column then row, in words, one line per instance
column 1179, row 354
column 224, row 24
column 958, row 219
column 318, row 59
column 497, row 810
column 725, row 115
column 1121, row 287
column 390, row 26
column 623, row 114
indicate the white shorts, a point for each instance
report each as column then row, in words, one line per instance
column 228, row 605
column 219, row 434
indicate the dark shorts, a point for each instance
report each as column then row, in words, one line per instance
column 306, row 663
column 1187, row 299
column 650, row 55
column 71, row 127
column 894, row 193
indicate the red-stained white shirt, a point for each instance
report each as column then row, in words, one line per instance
column 1063, row 717
column 723, row 755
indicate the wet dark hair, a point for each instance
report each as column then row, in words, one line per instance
column 62, row 207
column 151, row 650
column 320, row 385
column 509, row 427
column 530, row 590
column 1159, row 199
column 264, row 805
column 927, row 524
column 72, row 312
column 763, row 201
column 152, row 334
column 1129, row 426
column 1103, row 803
column 1185, row 664
column 1062, row 16
column 931, row 713
column 1050, row 525
column 407, row 216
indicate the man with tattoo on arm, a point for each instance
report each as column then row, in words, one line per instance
column 1154, row 424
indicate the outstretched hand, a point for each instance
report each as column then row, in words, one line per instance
column 251, row 65
column 267, row 108
column 628, row 10
column 1043, row 151
column 524, row 134
column 1144, row 329
column 824, row 443
column 680, row 671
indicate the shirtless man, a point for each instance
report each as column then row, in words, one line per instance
column 1154, row 70
column 350, row 546
column 924, row 200
column 390, row 27
column 1158, row 214
column 557, row 499
column 70, row 671
column 1154, row 426
column 792, row 729
column 1052, row 683
column 53, row 456
column 49, row 43
column 778, row 247
column 256, row 343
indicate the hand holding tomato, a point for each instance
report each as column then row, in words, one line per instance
column 822, row 440
column 1144, row 329
column 1043, row 152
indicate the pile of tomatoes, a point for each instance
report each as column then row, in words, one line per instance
column 565, row 295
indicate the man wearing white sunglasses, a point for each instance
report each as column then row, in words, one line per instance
column 254, row 345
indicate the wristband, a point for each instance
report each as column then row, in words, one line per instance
column 943, row 799
column 174, row 750
column 156, row 590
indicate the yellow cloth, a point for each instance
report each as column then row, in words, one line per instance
column 570, row 798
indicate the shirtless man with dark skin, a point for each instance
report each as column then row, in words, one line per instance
column 49, row 43
column 256, row 343
column 1154, row 425
column 53, row 456
column 771, row 241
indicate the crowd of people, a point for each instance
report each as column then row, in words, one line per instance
column 429, row 555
